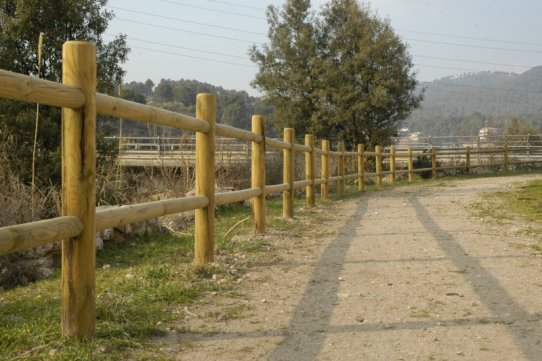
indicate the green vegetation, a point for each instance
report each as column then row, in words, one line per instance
column 330, row 74
column 234, row 107
column 143, row 286
column 20, row 25
column 521, row 205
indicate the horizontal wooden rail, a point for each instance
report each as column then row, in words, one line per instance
column 276, row 144
column 526, row 161
column 351, row 176
column 34, row 234
column 418, row 170
column 302, row 148
column 318, row 151
column 317, row 182
column 236, row 196
column 459, row 166
column 121, row 108
column 277, row 188
column 33, row 90
column 119, row 216
column 231, row 132
column 302, row 184
column 446, row 153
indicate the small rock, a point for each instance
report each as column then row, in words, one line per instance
column 106, row 266
column 99, row 243
column 360, row 319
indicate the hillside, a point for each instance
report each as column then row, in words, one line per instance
column 464, row 104
column 234, row 107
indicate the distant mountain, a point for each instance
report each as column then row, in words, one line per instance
column 462, row 105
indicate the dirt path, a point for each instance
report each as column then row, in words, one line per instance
column 405, row 274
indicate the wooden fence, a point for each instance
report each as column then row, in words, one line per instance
column 80, row 221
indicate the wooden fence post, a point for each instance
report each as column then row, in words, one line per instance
column 288, row 174
column 361, row 168
column 340, row 183
column 392, row 163
column 506, row 162
column 258, row 176
column 79, row 193
column 434, row 162
column 410, row 166
column 205, row 180
column 309, row 171
column 467, row 160
column 324, row 187
column 378, row 165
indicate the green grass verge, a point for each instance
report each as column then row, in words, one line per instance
column 521, row 205
column 141, row 286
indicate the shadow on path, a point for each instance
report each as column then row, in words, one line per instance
column 520, row 323
column 310, row 322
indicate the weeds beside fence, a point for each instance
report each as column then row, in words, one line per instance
column 80, row 221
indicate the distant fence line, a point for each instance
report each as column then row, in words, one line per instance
column 80, row 221
column 475, row 142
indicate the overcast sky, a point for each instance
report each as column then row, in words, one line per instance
column 207, row 40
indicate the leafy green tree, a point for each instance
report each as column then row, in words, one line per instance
column 145, row 89
column 287, row 65
column 343, row 74
column 236, row 109
column 21, row 22
column 516, row 126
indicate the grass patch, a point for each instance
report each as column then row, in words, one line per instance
column 141, row 287
column 522, row 205
column 138, row 286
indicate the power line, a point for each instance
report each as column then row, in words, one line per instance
column 237, row 5
column 185, row 20
column 424, row 56
column 475, row 46
column 192, row 57
column 185, row 31
column 469, row 37
column 213, row 10
column 130, row 38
